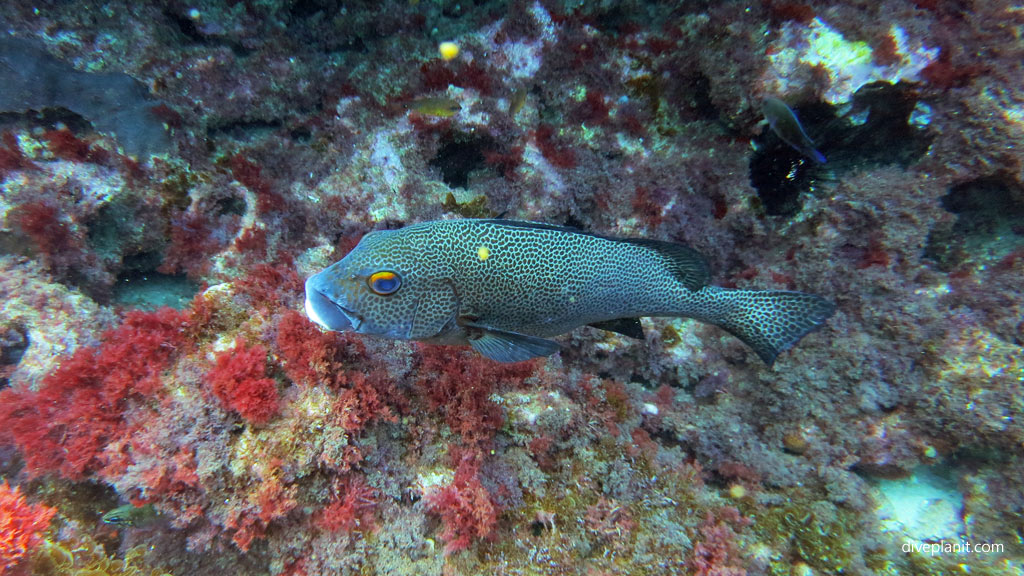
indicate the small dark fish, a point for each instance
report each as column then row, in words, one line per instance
column 131, row 516
column 505, row 287
column 784, row 123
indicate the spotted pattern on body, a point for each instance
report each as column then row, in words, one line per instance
column 506, row 286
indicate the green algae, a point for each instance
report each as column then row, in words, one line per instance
column 647, row 89
column 815, row 532
column 82, row 556
column 594, row 531
column 475, row 208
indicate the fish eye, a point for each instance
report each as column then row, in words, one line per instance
column 384, row 283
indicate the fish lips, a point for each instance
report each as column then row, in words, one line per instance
column 326, row 312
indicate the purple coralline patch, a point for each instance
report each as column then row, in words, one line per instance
column 288, row 130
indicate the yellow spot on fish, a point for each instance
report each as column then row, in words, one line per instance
column 483, row 253
column 448, row 50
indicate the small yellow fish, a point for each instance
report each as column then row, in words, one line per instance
column 440, row 107
column 517, row 102
column 132, row 516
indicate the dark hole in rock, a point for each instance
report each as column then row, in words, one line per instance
column 537, row 528
column 460, row 155
column 230, row 204
column 883, row 125
column 890, row 133
column 616, row 19
column 989, row 223
column 301, row 133
column 185, row 25
column 781, row 173
column 141, row 263
column 697, row 102
column 109, row 227
column 48, row 119
column 571, row 221
column 140, row 286
column 202, row 31
column 13, row 343
column 244, row 129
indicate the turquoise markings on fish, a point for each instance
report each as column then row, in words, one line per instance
column 506, row 287
column 783, row 121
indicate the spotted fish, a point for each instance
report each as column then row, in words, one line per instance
column 506, row 287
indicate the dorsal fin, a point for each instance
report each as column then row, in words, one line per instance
column 527, row 225
column 684, row 263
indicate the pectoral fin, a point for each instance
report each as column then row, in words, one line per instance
column 503, row 346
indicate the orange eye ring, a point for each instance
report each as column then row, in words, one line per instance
column 384, row 283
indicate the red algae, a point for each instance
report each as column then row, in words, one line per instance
column 80, row 408
column 23, row 526
column 560, row 155
column 11, row 156
column 238, row 379
column 466, row 508
column 351, row 509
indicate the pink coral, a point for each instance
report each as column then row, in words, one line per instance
column 267, row 286
column 610, row 521
column 43, row 223
column 11, row 156
column 251, row 176
column 311, row 355
column 193, row 239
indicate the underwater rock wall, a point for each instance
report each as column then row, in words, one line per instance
column 269, row 447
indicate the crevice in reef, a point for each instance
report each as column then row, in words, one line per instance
column 884, row 124
column 140, row 285
column 988, row 227
column 14, row 341
column 149, row 289
column 459, row 156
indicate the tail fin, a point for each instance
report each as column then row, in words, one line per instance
column 771, row 321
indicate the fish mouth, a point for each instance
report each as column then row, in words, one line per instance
column 325, row 312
